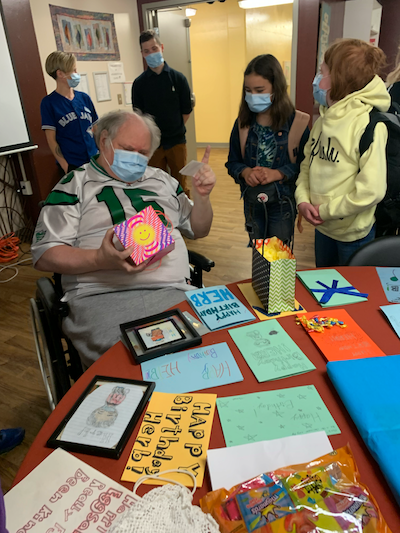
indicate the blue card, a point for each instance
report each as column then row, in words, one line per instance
column 201, row 368
column 218, row 308
column 390, row 279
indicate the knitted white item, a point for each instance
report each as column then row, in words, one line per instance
column 165, row 509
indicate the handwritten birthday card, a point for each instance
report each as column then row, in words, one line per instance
column 175, row 434
column 390, row 280
column 218, row 308
column 201, row 368
column 65, row 495
column 269, row 351
column 340, row 343
column 274, row 414
column 330, row 288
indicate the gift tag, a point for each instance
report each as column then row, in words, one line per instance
column 191, row 168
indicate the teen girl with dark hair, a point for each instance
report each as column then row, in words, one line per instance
column 337, row 190
column 266, row 147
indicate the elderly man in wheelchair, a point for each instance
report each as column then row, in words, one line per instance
column 74, row 233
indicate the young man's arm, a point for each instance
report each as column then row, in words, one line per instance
column 55, row 149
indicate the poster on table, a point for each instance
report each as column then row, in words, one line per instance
column 175, row 434
column 65, row 495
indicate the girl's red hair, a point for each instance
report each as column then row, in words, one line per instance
column 352, row 64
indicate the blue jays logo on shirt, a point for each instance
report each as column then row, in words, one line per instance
column 69, row 117
column 87, row 115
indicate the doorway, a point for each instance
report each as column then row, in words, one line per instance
column 212, row 49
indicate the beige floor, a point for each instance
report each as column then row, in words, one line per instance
column 22, row 397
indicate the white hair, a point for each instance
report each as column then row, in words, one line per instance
column 111, row 123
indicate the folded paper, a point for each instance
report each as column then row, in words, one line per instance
column 274, row 414
column 269, row 351
column 337, row 343
column 330, row 288
column 201, row 368
column 218, row 308
column 65, row 495
column 175, row 434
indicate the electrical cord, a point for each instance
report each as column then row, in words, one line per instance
column 9, row 247
column 14, row 267
column 9, row 250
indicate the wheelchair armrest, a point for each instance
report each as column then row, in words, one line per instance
column 49, row 297
column 200, row 261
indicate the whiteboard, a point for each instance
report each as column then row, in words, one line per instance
column 14, row 133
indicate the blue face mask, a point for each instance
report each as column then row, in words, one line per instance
column 258, row 103
column 154, row 60
column 74, row 81
column 128, row 166
column 318, row 93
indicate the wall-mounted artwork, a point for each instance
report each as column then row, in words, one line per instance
column 90, row 36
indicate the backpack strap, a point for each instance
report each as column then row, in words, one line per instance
column 299, row 124
column 376, row 116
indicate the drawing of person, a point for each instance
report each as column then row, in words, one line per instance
column 106, row 415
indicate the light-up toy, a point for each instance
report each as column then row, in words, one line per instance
column 146, row 232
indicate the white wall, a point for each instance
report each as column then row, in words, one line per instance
column 357, row 19
column 127, row 29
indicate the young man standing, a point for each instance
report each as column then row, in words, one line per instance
column 68, row 116
column 165, row 94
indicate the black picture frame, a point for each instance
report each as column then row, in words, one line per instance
column 56, row 440
column 132, row 337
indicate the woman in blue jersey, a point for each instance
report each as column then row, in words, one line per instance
column 68, row 116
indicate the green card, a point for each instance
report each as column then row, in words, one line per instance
column 325, row 284
column 274, row 414
column 269, row 351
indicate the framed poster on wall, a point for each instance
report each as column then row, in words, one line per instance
column 89, row 35
column 84, row 84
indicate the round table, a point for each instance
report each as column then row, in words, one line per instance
column 117, row 362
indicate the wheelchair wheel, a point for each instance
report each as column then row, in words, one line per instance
column 43, row 353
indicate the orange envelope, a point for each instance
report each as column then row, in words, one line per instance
column 339, row 344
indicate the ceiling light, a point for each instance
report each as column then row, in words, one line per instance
column 251, row 4
column 190, row 11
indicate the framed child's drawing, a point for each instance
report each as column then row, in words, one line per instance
column 103, row 418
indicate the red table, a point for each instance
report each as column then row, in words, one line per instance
column 117, row 362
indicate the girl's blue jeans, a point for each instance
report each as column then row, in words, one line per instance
column 329, row 252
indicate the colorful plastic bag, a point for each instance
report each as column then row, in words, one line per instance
column 324, row 495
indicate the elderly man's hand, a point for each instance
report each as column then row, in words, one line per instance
column 204, row 180
column 108, row 258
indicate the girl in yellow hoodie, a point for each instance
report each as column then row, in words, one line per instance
column 337, row 191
